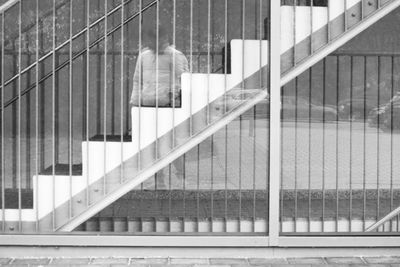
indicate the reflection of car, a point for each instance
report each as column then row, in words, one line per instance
column 292, row 108
column 386, row 114
column 391, row 118
column 375, row 115
column 355, row 108
column 301, row 108
column 235, row 97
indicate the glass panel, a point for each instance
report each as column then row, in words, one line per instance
column 127, row 92
column 339, row 138
column 218, row 186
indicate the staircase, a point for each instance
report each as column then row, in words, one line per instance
column 112, row 169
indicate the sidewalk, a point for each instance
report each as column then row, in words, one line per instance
column 207, row 262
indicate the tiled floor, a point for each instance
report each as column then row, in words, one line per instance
column 383, row 261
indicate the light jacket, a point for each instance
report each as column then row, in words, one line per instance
column 152, row 76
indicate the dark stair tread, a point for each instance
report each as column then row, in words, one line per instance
column 63, row 169
column 11, row 198
column 112, row 138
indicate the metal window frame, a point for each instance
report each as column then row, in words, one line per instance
column 123, row 240
column 274, row 238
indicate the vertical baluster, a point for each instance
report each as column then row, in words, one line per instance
column 351, row 144
column 19, row 174
column 105, row 98
column 83, row 77
column 53, row 170
column 281, row 134
column 323, row 143
column 27, row 151
column 362, row 9
column 282, row 140
column 184, row 190
column 225, row 109
column 127, row 84
column 191, row 69
column 87, row 192
column 113, row 77
column 173, row 105
column 3, row 182
column 138, row 59
column 260, row 16
column 157, row 79
column 226, row 173
column 310, row 73
column 378, row 143
column 295, row 154
column 198, row 185
column 209, row 62
column 14, row 115
column 212, row 182
column 328, row 29
column 121, row 177
column 337, row 140
column 225, row 53
column 364, row 144
column 70, row 111
column 391, row 140
column 311, row 26
column 254, row 159
column 241, row 97
column 274, row 137
column 345, row 23
column 208, row 115
column 294, row 31
column 36, row 186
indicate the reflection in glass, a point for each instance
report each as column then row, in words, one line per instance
column 339, row 138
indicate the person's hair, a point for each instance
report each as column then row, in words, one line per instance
column 150, row 35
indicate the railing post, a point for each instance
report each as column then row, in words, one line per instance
column 275, row 121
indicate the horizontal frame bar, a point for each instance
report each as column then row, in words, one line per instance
column 134, row 241
column 340, row 241
column 197, row 253
column 199, row 241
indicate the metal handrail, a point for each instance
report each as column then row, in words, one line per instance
column 163, row 162
column 12, row 100
column 60, row 66
column 7, row 5
column 33, row 24
column 389, row 216
column 334, row 44
column 69, row 40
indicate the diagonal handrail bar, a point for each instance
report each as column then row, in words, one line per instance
column 340, row 40
column 59, row 67
column 175, row 153
column 83, row 51
column 214, row 127
column 78, row 34
column 33, row 24
column 386, row 218
column 7, row 5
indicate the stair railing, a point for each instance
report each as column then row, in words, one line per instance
column 33, row 24
column 75, row 36
column 386, row 218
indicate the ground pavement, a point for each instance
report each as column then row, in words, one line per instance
column 386, row 261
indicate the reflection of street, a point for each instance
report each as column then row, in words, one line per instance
column 313, row 155
column 219, row 163
column 339, row 155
